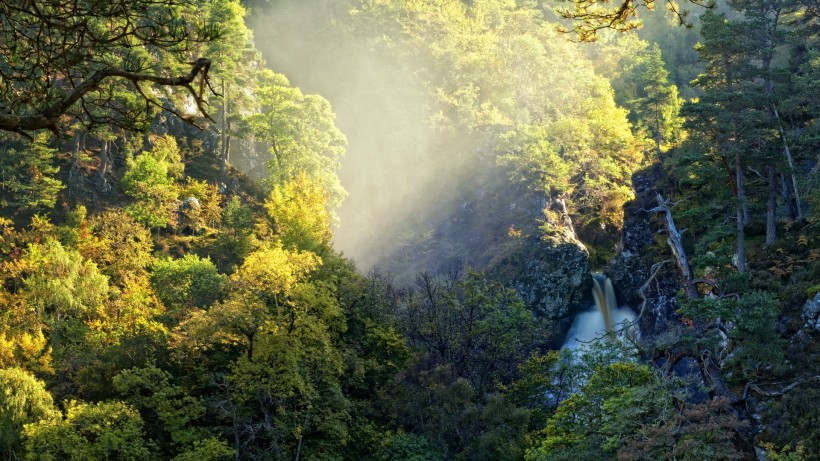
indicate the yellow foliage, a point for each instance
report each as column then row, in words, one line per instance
column 299, row 212
column 6, row 351
column 25, row 349
column 274, row 270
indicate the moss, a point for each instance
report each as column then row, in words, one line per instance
column 599, row 256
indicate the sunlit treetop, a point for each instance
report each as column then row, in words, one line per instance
column 100, row 61
column 591, row 16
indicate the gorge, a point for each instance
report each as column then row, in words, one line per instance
column 409, row 230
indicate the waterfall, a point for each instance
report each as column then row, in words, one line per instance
column 601, row 318
column 604, row 294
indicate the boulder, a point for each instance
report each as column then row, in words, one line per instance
column 811, row 313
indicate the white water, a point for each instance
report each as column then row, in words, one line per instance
column 602, row 318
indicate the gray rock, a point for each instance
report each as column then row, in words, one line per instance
column 628, row 274
column 811, row 312
column 553, row 279
column 632, row 267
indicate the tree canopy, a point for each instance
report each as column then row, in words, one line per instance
column 99, row 62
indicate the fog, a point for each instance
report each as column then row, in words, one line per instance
column 393, row 171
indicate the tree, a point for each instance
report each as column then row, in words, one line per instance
column 653, row 101
column 581, row 159
column 119, row 246
column 592, row 16
column 87, row 53
column 107, row 430
column 476, row 327
column 698, row 431
column 200, row 205
column 27, row 182
column 187, row 283
column 236, row 239
column 282, row 397
column 24, row 400
column 64, row 289
column 300, row 132
column 169, row 412
column 591, row 424
column 730, row 113
column 149, row 178
column 235, row 64
column 299, row 211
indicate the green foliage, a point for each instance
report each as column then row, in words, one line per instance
column 108, row 430
column 479, row 328
column 149, row 179
column 236, row 239
column 752, row 318
column 785, row 454
column 760, row 346
column 586, row 158
column 119, row 246
column 205, row 210
column 592, row 424
column 114, row 67
column 798, row 423
column 27, row 182
column 435, row 404
column 701, row 431
column 409, row 447
column 295, row 355
column 168, row 411
column 494, row 431
column 545, row 380
column 210, row 449
column 64, row 288
column 301, row 133
column 186, row 283
column 23, row 400
column 643, row 88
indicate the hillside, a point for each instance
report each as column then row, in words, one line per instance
column 361, row 230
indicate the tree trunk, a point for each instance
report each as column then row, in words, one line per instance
column 74, row 173
column 105, row 161
column 223, row 156
column 657, row 129
column 673, row 238
column 741, row 221
column 713, row 377
column 771, row 208
column 785, row 190
column 730, row 174
column 798, row 207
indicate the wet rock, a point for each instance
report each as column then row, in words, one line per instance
column 628, row 273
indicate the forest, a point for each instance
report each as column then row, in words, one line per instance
column 370, row 230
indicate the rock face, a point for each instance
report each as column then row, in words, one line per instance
column 555, row 280
column 811, row 312
column 633, row 266
column 551, row 274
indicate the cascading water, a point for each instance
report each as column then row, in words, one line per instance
column 602, row 318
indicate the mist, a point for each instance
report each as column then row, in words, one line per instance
column 393, row 170
column 425, row 133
